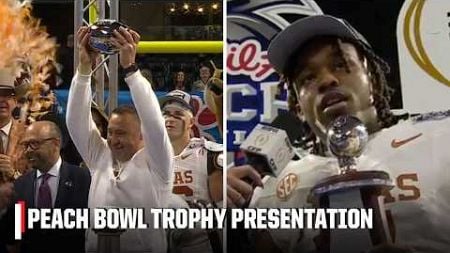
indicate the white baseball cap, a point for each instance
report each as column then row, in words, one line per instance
column 179, row 96
column 6, row 82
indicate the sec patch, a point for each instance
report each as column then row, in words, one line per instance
column 286, row 186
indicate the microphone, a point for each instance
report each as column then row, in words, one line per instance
column 268, row 148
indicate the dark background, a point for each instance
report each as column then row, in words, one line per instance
column 377, row 21
column 153, row 20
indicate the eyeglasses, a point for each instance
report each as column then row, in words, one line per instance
column 35, row 144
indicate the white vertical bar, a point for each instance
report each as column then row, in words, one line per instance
column 18, row 221
column 113, row 64
column 78, row 22
column 100, row 74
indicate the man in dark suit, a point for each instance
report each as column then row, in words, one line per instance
column 51, row 183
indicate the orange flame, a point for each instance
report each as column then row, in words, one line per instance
column 27, row 49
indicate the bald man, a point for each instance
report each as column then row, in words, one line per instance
column 51, row 183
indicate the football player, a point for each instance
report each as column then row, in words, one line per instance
column 197, row 168
column 198, row 162
column 331, row 70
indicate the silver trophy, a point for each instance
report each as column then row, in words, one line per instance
column 352, row 188
column 101, row 33
column 346, row 138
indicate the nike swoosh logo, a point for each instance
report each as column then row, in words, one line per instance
column 185, row 156
column 397, row 143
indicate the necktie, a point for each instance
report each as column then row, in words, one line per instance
column 44, row 199
column 2, row 149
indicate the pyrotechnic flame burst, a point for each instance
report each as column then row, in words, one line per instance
column 28, row 51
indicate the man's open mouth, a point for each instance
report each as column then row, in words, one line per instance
column 333, row 99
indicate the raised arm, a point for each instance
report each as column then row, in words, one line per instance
column 157, row 143
column 80, row 124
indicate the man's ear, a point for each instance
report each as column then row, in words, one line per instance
column 372, row 81
column 371, row 77
column 371, row 90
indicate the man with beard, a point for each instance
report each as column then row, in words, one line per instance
column 51, row 183
column 331, row 70
column 197, row 168
column 133, row 166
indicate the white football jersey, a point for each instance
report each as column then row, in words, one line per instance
column 417, row 158
column 191, row 172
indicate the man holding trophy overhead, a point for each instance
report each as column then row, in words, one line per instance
column 133, row 166
column 337, row 87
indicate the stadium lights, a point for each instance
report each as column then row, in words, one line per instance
column 186, row 8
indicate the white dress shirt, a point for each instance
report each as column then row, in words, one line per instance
column 53, row 181
column 4, row 134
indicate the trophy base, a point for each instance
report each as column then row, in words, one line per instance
column 108, row 240
column 355, row 189
column 354, row 179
